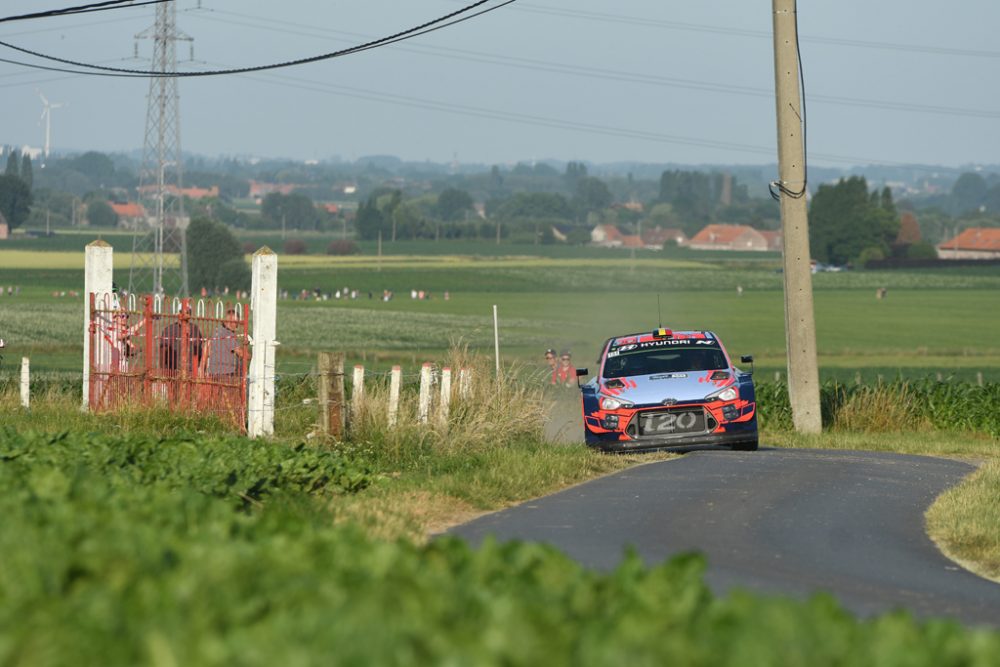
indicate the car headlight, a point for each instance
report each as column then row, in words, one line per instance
column 608, row 403
column 727, row 394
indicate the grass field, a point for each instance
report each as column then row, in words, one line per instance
column 932, row 322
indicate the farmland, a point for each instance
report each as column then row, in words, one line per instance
column 942, row 321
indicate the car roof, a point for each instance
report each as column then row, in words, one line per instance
column 644, row 336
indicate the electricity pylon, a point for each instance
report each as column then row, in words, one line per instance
column 160, row 177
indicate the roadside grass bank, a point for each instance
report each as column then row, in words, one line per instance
column 965, row 520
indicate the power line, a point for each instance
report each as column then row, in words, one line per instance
column 423, row 29
column 82, row 9
column 742, row 32
column 593, row 72
column 555, row 123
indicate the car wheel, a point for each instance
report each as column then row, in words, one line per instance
column 746, row 446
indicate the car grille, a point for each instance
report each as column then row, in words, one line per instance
column 675, row 421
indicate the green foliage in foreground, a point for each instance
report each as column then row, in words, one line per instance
column 120, row 552
column 892, row 406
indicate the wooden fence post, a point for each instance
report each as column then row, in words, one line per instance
column 357, row 392
column 25, row 384
column 465, row 383
column 445, row 395
column 979, row 378
column 424, row 405
column 394, row 382
column 331, row 393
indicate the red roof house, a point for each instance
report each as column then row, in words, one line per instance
column 729, row 237
column 973, row 243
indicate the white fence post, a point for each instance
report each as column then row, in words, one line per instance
column 465, row 383
column 394, row 381
column 357, row 392
column 25, row 384
column 496, row 339
column 97, row 272
column 264, row 310
column 445, row 395
column 424, row 405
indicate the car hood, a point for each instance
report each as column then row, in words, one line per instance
column 659, row 387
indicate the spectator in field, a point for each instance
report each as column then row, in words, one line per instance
column 550, row 359
column 223, row 364
column 172, row 343
column 564, row 374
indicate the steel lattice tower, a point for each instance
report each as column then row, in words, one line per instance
column 160, row 177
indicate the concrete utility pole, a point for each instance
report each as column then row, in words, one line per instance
column 800, row 325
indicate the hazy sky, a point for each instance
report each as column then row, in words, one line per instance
column 598, row 80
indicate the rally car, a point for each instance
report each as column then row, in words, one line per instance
column 668, row 389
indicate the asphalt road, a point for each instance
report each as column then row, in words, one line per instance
column 790, row 522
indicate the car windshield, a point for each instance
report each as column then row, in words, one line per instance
column 675, row 360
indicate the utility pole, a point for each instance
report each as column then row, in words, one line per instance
column 160, row 180
column 800, row 324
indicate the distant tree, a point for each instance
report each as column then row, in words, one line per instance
column 295, row 247
column 535, row 205
column 15, row 200
column 968, row 193
column 369, row 220
column 210, row 245
column 992, row 199
column 27, row 174
column 234, row 274
column 574, row 172
column 885, row 202
column 98, row 167
column 12, row 164
column 578, row 236
column 100, row 214
column 452, row 204
column 295, row 209
column 343, row 247
column 591, row 194
column 496, row 178
column 909, row 229
column 844, row 220
column 921, row 250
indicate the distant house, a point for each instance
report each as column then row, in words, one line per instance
column 606, row 236
column 632, row 241
column 130, row 214
column 561, row 232
column 657, row 237
column 259, row 190
column 729, row 237
column 973, row 243
column 773, row 238
column 190, row 193
column 332, row 209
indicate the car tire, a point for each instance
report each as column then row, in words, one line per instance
column 745, row 446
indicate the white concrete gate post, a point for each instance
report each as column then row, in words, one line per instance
column 264, row 311
column 97, row 274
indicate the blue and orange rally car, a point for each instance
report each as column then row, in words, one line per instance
column 668, row 389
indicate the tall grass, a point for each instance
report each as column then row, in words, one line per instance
column 497, row 411
column 899, row 405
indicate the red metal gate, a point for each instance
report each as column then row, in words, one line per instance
column 151, row 352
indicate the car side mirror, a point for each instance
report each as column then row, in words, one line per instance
column 747, row 359
column 580, row 372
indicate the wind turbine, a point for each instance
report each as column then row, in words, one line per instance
column 47, row 108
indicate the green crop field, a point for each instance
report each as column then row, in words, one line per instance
column 942, row 321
